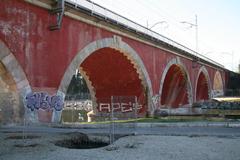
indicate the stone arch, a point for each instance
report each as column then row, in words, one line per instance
column 176, row 61
column 18, row 82
column 114, row 43
column 204, row 71
column 218, row 85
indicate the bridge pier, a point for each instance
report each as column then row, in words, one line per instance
column 56, row 116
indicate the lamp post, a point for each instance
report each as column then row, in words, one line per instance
column 160, row 22
column 196, row 30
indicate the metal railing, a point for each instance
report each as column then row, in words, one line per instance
column 108, row 14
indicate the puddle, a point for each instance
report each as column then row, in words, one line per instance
column 26, row 145
column 80, row 141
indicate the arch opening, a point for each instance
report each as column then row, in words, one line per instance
column 78, row 100
column 111, row 73
column 175, row 88
column 105, row 73
column 202, row 90
column 111, row 68
column 217, row 85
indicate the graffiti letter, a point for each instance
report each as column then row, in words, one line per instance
column 116, row 107
column 31, row 101
column 57, row 103
column 44, row 101
column 104, row 106
column 126, row 107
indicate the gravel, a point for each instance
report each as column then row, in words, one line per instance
column 146, row 147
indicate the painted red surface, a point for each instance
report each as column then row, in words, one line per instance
column 44, row 115
column 45, row 55
column 112, row 74
column 202, row 88
column 174, row 92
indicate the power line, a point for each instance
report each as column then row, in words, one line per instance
column 177, row 32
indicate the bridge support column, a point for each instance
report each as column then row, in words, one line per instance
column 16, row 82
column 56, row 116
column 29, row 115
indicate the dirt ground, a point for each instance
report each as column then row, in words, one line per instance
column 146, row 147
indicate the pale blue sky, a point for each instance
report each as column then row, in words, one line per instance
column 218, row 23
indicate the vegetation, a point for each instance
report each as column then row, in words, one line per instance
column 77, row 88
column 169, row 119
column 233, row 85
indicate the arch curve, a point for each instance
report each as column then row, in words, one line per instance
column 114, row 43
column 218, row 85
column 177, row 62
column 203, row 71
column 15, row 70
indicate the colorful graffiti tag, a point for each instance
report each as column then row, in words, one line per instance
column 41, row 100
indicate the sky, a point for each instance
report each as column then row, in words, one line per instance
column 218, row 24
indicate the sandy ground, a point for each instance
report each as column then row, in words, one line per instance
column 132, row 147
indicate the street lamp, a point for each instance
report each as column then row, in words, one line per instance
column 155, row 24
column 160, row 22
column 196, row 30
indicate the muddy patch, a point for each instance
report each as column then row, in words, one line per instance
column 81, row 141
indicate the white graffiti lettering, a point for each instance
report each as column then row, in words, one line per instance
column 116, row 106
column 126, row 107
column 104, row 106
column 122, row 107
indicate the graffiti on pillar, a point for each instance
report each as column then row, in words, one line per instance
column 41, row 100
column 155, row 101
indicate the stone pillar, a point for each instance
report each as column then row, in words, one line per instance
column 56, row 116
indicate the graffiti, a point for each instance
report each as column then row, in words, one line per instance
column 217, row 93
column 41, row 100
column 155, row 101
column 118, row 107
column 79, row 104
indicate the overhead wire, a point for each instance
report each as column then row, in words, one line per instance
column 173, row 19
column 127, row 11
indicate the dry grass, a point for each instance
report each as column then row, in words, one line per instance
column 228, row 99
